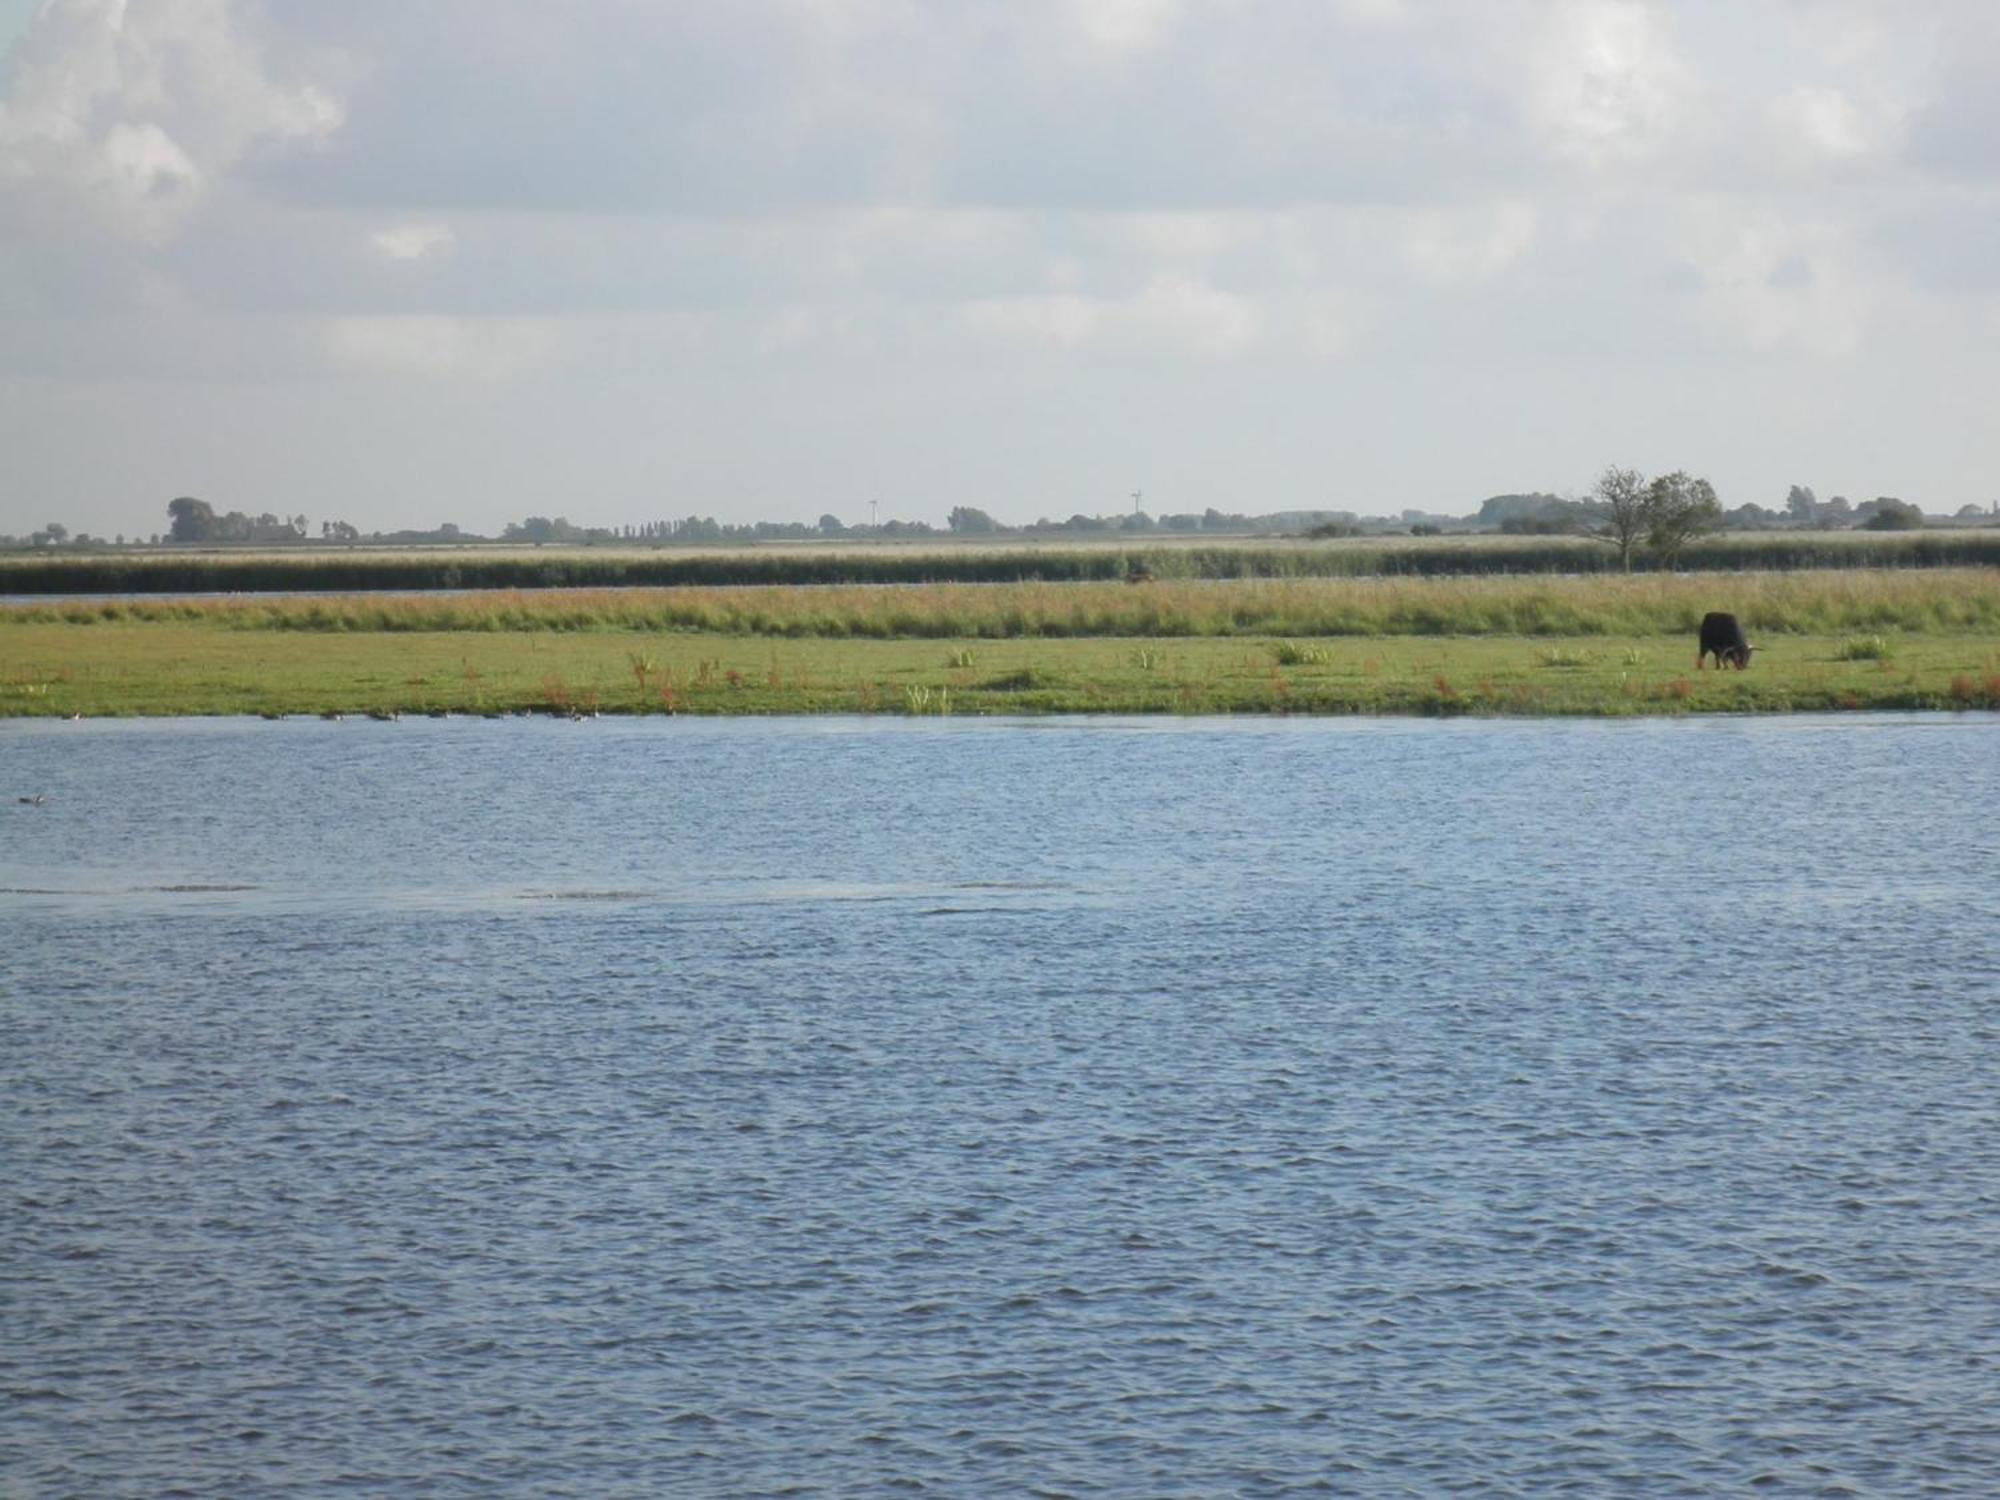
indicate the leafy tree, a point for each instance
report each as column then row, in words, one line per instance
column 1497, row 510
column 830, row 525
column 1679, row 509
column 1623, row 499
column 57, row 532
column 1750, row 516
column 1892, row 514
column 966, row 521
column 1802, row 503
column 190, row 520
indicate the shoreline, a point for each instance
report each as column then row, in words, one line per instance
column 199, row 670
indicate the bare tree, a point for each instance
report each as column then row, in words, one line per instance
column 1623, row 495
column 1679, row 509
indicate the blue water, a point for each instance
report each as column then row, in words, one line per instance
column 1151, row 1109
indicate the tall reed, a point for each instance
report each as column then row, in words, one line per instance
column 317, row 570
column 1857, row 603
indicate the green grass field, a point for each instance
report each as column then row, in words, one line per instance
column 1601, row 646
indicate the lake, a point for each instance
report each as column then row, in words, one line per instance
column 838, row 1107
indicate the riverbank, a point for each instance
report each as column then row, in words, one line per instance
column 156, row 668
column 1881, row 639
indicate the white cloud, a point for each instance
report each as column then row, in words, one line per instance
column 1770, row 285
column 414, row 242
column 128, row 110
column 1170, row 314
column 1827, row 126
column 1122, row 27
column 440, row 348
column 1606, row 84
column 142, row 162
column 1386, row 14
column 1450, row 246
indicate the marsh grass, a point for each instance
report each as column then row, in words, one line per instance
column 1108, row 560
column 1294, row 610
column 1865, row 648
column 1292, row 654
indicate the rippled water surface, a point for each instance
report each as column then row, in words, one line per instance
column 835, row 1108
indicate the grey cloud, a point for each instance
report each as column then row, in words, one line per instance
column 596, row 107
column 616, row 108
column 1792, row 271
column 877, row 223
column 1949, row 247
column 1958, row 135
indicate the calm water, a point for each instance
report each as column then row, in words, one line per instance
column 836, row 1108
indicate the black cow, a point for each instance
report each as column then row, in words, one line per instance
column 1722, row 636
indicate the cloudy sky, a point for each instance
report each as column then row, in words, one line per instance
column 409, row 261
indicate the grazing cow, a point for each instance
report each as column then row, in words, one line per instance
column 1722, row 636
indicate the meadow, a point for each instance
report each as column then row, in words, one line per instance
column 1608, row 645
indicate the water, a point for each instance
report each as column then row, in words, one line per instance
column 836, row 1108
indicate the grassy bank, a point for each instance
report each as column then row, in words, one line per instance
column 1613, row 645
column 317, row 569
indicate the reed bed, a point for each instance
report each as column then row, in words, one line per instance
column 1828, row 602
column 947, row 562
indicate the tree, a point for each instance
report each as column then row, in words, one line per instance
column 1622, row 495
column 191, row 520
column 966, row 521
column 1802, row 503
column 1679, row 508
column 830, row 525
column 57, row 532
column 1496, row 510
column 1892, row 514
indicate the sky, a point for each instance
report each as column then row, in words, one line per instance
column 632, row 260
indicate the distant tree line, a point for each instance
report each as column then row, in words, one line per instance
column 1633, row 515
column 1666, row 513
column 192, row 520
